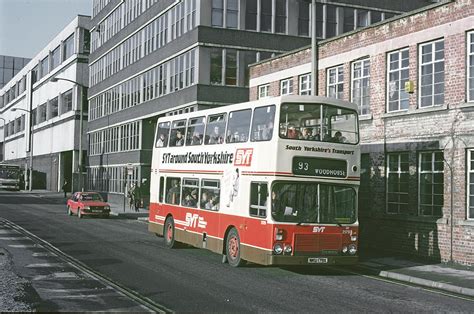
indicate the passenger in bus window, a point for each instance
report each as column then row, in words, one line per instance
column 292, row 132
column 337, row 138
column 174, row 193
column 179, row 138
column 307, row 134
column 197, row 138
column 214, row 203
column 267, row 131
column 190, row 200
column 204, row 200
column 216, row 136
column 161, row 141
column 317, row 136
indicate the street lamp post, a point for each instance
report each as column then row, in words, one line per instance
column 81, row 120
column 314, row 49
column 3, row 146
column 30, row 181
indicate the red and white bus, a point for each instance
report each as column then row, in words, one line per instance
column 273, row 181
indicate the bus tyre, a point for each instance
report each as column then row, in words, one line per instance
column 69, row 212
column 168, row 233
column 233, row 249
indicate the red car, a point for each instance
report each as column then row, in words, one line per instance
column 87, row 203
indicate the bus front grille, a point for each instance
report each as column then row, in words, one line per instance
column 305, row 243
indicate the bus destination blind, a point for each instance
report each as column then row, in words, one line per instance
column 320, row 167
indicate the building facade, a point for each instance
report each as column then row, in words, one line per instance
column 151, row 58
column 412, row 78
column 9, row 67
column 52, row 109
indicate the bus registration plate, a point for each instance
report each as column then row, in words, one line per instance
column 317, row 260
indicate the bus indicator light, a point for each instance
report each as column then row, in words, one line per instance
column 243, row 157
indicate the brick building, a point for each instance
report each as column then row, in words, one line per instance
column 417, row 147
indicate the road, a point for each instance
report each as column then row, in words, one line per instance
column 188, row 279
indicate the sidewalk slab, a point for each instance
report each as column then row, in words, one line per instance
column 453, row 278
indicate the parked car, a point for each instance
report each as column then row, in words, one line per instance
column 88, row 204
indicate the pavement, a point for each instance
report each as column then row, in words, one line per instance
column 452, row 278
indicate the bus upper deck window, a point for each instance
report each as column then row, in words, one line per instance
column 262, row 124
column 238, row 126
column 162, row 135
column 195, row 131
column 178, row 132
column 215, row 129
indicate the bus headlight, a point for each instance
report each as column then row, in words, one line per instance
column 287, row 249
column 353, row 238
column 352, row 249
column 344, row 249
column 277, row 248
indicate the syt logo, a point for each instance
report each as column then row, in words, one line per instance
column 318, row 229
column 194, row 219
column 243, row 157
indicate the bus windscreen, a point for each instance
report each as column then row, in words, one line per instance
column 313, row 203
column 318, row 122
column 9, row 173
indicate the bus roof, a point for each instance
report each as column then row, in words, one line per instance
column 265, row 102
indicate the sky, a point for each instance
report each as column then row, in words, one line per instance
column 27, row 26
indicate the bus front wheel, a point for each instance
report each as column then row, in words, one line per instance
column 169, row 232
column 233, row 249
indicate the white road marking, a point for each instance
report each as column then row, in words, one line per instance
column 43, row 265
column 25, row 246
column 43, row 254
column 14, row 238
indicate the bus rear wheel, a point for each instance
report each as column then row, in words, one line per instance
column 168, row 233
column 233, row 249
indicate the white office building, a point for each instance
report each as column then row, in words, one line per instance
column 52, row 109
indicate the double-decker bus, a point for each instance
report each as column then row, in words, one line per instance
column 272, row 181
column 10, row 176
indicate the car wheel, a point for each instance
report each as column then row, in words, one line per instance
column 169, row 233
column 69, row 212
column 233, row 249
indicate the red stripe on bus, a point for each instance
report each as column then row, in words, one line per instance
column 253, row 231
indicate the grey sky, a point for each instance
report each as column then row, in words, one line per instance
column 26, row 26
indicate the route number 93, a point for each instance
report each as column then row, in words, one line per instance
column 303, row 165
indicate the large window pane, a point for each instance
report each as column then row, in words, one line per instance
column 251, row 15
column 313, row 203
column 431, row 183
column 266, row 15
column 262, row 123
column 215, row 130
column 231, row 67
column 216, row 66
column 238, row 126
column 432, row 74
column 360, row 85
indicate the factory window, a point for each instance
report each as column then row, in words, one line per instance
column 398, row 75
column 431, row 79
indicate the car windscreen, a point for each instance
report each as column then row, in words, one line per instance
column 91, row 197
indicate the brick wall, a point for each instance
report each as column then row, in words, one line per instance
column 448, row 127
